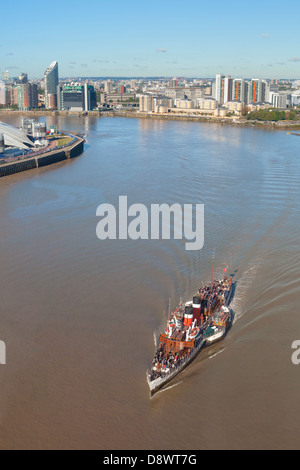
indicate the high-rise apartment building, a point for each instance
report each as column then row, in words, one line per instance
column 11, row 95
column 240, row 90
column 223, row 88
column 27, row 96
column 51, row 83
column 218, row 87
column 250, row 92
column 258, row 91
column 108, row 86
column 2, row 93
column 228, row 84
column 279, row 99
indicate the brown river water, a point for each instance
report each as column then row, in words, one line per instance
column 79, row 315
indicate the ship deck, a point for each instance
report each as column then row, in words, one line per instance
column 173, row 349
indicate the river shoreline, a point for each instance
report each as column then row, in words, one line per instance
column 277, row 125
column 233, row 121
column 44, row 159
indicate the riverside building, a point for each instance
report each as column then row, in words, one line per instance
column 76, row 97
column 240, row 90
column 51, row 83
column 2, row 93
column 154, row 103
column 227, row 89
column 258, row 91
column 206, row 103
column 27, row 96
column 223, row 88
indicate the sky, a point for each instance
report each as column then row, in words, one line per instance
column 89, row 38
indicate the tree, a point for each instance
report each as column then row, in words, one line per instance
column 267, row 115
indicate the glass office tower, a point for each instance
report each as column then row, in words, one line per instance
column 51, row 83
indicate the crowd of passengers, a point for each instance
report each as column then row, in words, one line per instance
column 210, row 295
column 166, row 362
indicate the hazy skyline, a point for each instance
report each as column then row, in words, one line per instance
column 169, row 38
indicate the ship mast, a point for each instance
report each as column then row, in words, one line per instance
column 212, row 269
column 169, row 312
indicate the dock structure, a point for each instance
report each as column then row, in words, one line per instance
column 47, row 158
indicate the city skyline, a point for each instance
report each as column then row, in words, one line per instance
column 193, row 39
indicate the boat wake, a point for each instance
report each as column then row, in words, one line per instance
column 243, row 285
column 168, row 388
column 216, row 354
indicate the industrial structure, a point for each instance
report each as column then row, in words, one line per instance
column 12, row 137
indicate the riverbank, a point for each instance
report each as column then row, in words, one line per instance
column 45, row 159
column 280, row 125
column 47, row 112
column 232, row 120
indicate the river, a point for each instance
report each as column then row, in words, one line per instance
column 79, row 314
